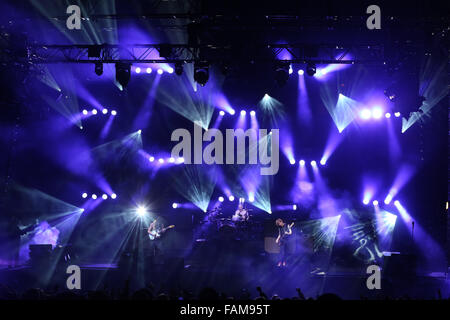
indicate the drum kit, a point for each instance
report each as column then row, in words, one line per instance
column 226, row 227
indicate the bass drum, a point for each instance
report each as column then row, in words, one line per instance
column 226, row 228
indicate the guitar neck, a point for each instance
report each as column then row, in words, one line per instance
column 166, row 228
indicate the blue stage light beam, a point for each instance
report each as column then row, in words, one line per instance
column 323, row 231
column 196, row 184
column 344, row 112
column 334, row 140
column 120, row 148
column 304, row 109
column 433, row 87
column 272, row 109
column 142, row 119
column 197, row 106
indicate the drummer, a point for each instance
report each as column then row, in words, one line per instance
column 241, row 214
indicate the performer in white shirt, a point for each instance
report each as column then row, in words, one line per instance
column 241, row 214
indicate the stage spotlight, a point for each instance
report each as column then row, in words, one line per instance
column 388, row 199
column 138, row 70
column 301, row 72
column 231, row 198
column 222, row 113
column 82, row 210
column 377, row 113
column 178, row 68
column 141, row 211
column 311, row 69
column 171, row 160
column 170, row 70
column 160, row 71
column 292, row 161
column 105, row 111
column 251, row 198
column 161, row 160
column 396, row 203
column 252, row 113
column 151, row 159
column 201, row 73
column 94, row 196
column 302, row 162
column 114, row 112
column 98, row 68
column 104, row 196
column 366, row 201
column 290, row 70
column 180, row 160
column 84, row 195
column 243, row 112
column 94, row 111
column 149, row 70
column 281, row 73
column 375, row 202
column 85, row 112
column 123, row 73
column 397, row 114
column 221, row 199
column 232, row 112
column 323, row 162
column 313, row 163
column 365, row 114
column 387, row 115
column 113, row 196
column 174, row 205
column 294, row 207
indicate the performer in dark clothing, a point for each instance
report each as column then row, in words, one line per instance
column 284, row 234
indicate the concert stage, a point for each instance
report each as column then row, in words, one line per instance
column 228, row 145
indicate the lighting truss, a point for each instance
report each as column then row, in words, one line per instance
column 145, row 53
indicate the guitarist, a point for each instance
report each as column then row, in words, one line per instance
column 155, row 233
column 284, row 234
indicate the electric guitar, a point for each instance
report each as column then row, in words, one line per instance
column 154, row 234
column 282, row 236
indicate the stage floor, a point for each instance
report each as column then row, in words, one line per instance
column 274, row 280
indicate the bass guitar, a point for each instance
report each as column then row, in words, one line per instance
column 155, row 234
